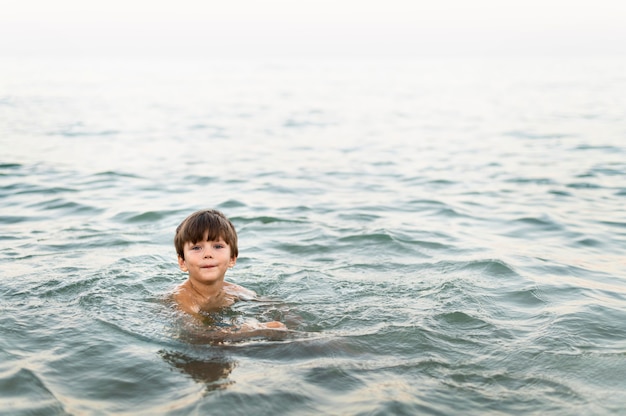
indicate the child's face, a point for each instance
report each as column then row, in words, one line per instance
column 206, row 261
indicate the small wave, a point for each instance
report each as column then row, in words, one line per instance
column 434, row 208
column 359, row 216
column 462, row 320
column 369, row 238
column 583, row 185
column 491, row 267
column 15, row 219
column 608, row 171
column 72, row 286
column 537, row 136
column 497, row 389
column 108, row 177
column 133, row 330
column 302, row 123
column 9, row 166
column 559, row 192
column 230, row 204
column 589, row 242
column 141, row 217
column 302, row 346
column 310, row 248
column 617, row 224
column 426, row 202
column 333, row 379
column 450, row 213
column 263, row 219
column 527, row 298
column 608, row 148
column 215, row 132
column 25, row 392
column 84, row 133
column 590, row 327
column 537, row 181
column 115, row 174
column 200, row 179
column 24, row 189
column 524, row 225
column 535, row 221
column 61, row 204
column 443, row 182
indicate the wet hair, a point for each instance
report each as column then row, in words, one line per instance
column 210, row 221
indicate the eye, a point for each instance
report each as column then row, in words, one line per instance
column 218, row 246
column 195, row 248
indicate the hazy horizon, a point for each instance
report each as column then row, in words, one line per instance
column 369, row 29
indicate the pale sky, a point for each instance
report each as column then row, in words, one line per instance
column 319, row 28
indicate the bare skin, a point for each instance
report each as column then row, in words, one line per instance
column 205, row 289
column 192, row 300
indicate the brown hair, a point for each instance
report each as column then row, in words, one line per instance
column 210, row 221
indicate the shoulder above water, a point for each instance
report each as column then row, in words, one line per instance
column 239, row 292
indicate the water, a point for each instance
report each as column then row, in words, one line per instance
column 442, row 236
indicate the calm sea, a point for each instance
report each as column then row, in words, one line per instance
column 442, row 236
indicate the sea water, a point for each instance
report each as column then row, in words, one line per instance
column 442, row 236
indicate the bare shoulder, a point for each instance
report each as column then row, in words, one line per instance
column 179, row 293
column 238, row 291
column 184, row 299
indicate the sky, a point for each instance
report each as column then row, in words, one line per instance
column 319, row 28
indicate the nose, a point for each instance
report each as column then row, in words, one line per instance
column 208, row 253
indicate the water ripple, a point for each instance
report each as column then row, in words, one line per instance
column 433, row 245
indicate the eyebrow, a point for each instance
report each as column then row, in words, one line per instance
column 219, row 240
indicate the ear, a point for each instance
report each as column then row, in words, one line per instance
column 233, row 261
column 181, row 264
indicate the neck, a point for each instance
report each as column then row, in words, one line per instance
column 206, row 294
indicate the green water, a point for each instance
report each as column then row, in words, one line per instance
column 440, row 237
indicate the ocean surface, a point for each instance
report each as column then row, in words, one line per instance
column 442, row 236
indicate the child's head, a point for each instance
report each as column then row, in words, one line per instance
column 210, row 221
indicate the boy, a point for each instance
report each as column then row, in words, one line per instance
column 206, row 244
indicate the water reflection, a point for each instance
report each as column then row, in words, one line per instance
column 213, row 371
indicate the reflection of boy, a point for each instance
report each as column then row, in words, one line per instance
column 206, row 244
